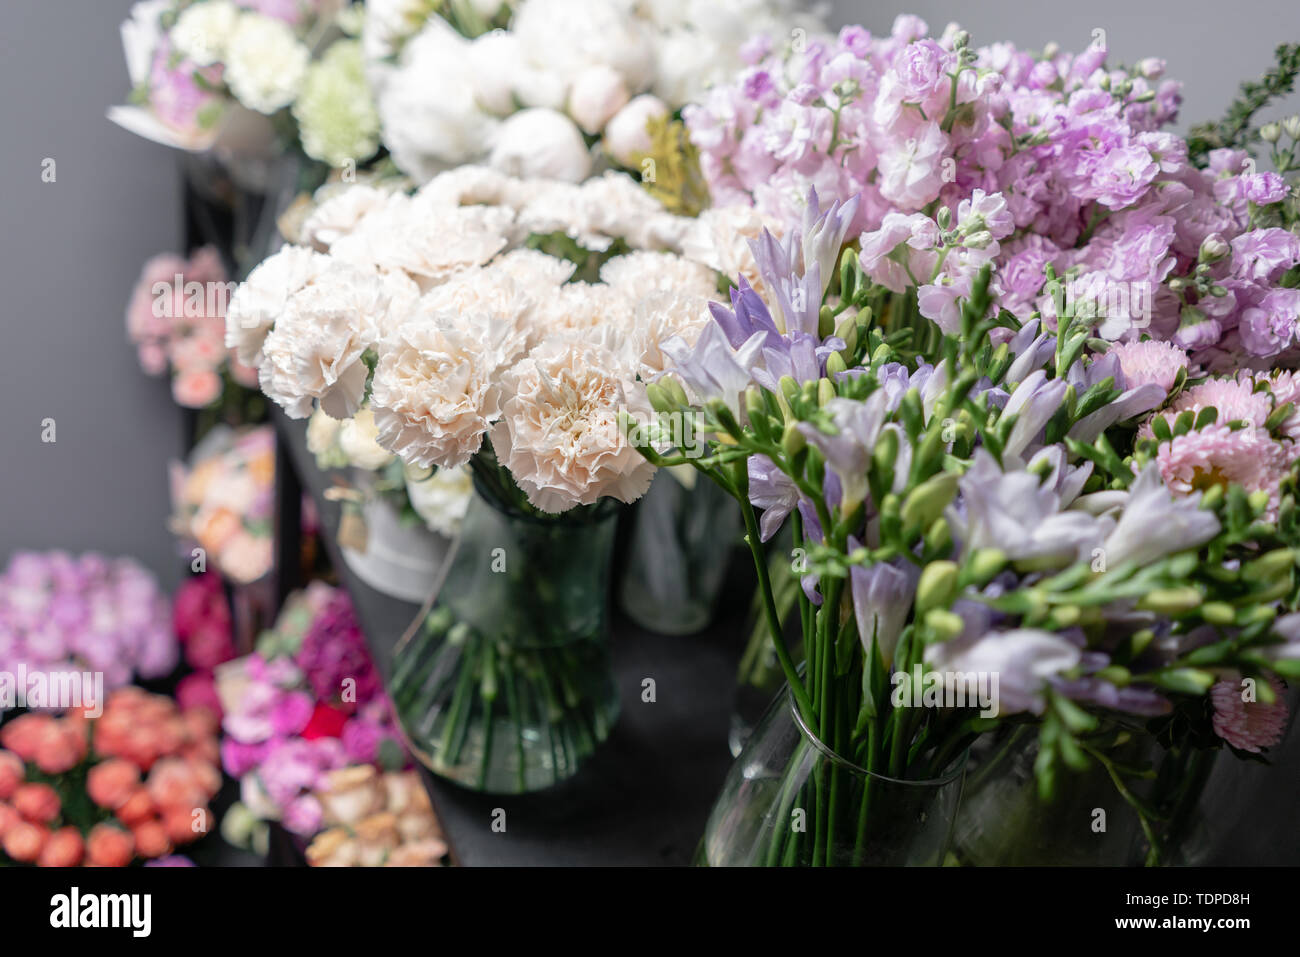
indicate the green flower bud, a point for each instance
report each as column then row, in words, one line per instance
column 937, row 587
column 793, row 441
column 1271, row 566
column 1218, row 613
column 835, row 365
column 984, row 564
column 1171, row 601
column 943, row 624
column 927, row 501
column 825, row 391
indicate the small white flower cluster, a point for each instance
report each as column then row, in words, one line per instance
column 523, row 98
column 434, row 303
column 264, row 60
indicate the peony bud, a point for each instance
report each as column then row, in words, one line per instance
column 541, row 144
column 626, row 135
column 597, row 94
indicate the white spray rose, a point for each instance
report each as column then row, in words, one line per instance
column 442, row 499
column 357, row 442
column 541, row 143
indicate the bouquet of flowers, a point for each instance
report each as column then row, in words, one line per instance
column 223, row 502
column 308, row 702
column 103, row 621
column 376, row 819
column 229, row 74
column 520, row 312
column 133, row 783
column 176, row 321
column 565, row 74
column 1025, row 485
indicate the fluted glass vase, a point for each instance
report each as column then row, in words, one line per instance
column 507, row 687
column 789, row 800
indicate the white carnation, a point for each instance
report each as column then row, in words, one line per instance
column 341, row 214
column 315, row 350
column 559, row 434
column 640, row 273
column 203, row 31
column 720, row 237
column 265, row 63
column 261, row 298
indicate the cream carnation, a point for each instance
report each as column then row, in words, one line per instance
column 659, row 317
column 340, row 214
column 559, row 434
column 720, row 239
column 261, row 298
column 315, row 350
column 265, row 63
column 640, row 273
column 582, row 307
column 436, row 391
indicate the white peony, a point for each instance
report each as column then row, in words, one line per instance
column 626, row 135
column 598, row 93
column 261, row 298
column 442, row 499
column 202, row 32
column 265, row 63
column 543, row 144
column 315, row 349
column 564, row 37
column 495, row 58
column 559, row 433
column 429, row 107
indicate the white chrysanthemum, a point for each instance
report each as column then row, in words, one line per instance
column 442, row 499
column 719, row 238
column 315, row 350
column 203, row 31
column 356, row 441
column 430, row 114
column 436, row 389
column 401, row 235
column 559, row 433
column 265, row 63
column 340, row 214
column 640, row 273
column 260, row 299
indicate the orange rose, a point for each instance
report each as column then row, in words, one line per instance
column 23, row 734
column 63, row 849
column 12, row 773
column 136, row 808
column 8, row 818
column 24, row 841
column 181, row 824
column 109, row 846
column 201, row 721
column 151, row 839
column 60, row 748
column 39, row 803
column 111, row 782
column 173, row 784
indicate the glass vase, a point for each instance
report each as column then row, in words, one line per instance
column 507, row 687
column 789, row 800
column 1004, row 822
column 678, row 555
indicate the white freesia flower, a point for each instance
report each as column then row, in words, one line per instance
column 598, row 93
column 1154, row 523
column 356, row 440
column 626, row 136
column 559, row 433
column 442, row 499
column 315, row 349
column 202, row 31
column 261, row 298
column 265, row 63
column 541, row 144
column 436, row 390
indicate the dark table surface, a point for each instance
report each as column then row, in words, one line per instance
column 643, row 798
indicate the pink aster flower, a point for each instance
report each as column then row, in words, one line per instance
column 1218, row 455
column 1150, row 361
column 1247, row 725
